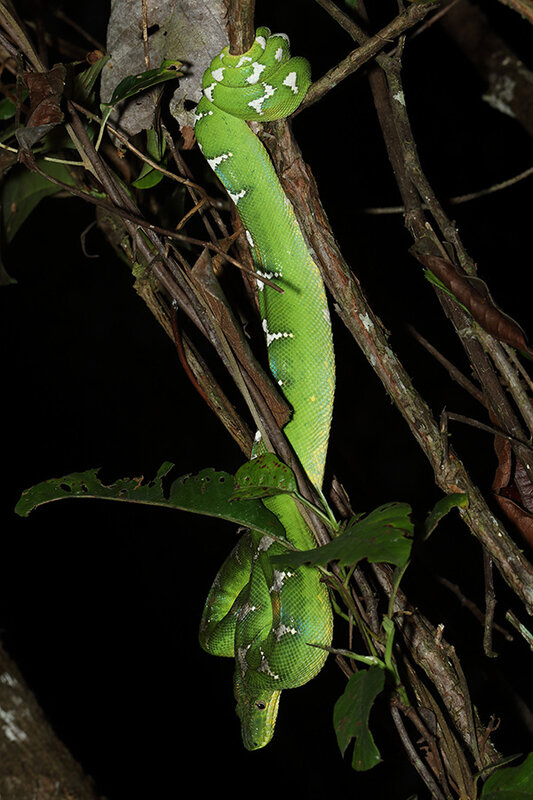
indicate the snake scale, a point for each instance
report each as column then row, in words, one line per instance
column 267, row 618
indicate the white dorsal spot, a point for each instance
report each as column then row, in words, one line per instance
column 282, row 629
column 257, row 72
column 217, row 160
column 244, row 610
column 218, row 74
column 237, row 196
column 271, row 337
column 201, row 115
column 242, row 652
column 261, row 40
column 279, row 579
column 257, row 437
column 290, row 81
column 269, row 90
column 208, row 91
column 249, row 238
column 278, row 55
column 243, row 60
column 265, row 542
column 264, row 666
column 257, row 104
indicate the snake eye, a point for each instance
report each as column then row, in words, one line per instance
column 260, row 705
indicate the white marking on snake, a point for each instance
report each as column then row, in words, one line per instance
column 242, row 60
column 264, row 666
column 238, row 196
column 261, row 40
column 282, row 36
column 218, row 74
column 256, row 74
column 217, row 160
column 290, row 81
column 244, row 610
column 249, row 238
column 208, row 91
column 279, row 580
column 282, row 629
column 269, row 275
column 278, row 55
column 198, row 117
column 257, row 104
column 271, row 337
column 241, row 658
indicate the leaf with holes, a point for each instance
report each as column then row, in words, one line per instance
column 383, row 535
column 209, row 492
column 351, row 714
column 264, row 476
column 510, row 783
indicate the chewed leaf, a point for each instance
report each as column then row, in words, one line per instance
column 384, row 535
column 264, row 476
column 351, row 714
column 510, row 783
column 209, row 492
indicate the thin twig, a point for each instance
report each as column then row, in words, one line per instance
column 471, row 606
column 452, row 370
column 457, row 199
column 414, row 758
column 490, row 605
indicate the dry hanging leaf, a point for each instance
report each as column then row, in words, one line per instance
column 513, row 490
column 46, row 91
column 477, row 300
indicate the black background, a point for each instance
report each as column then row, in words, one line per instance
column 100, row 602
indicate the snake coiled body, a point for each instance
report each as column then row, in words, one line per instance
column 267, row 619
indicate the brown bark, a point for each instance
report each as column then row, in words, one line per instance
column 35, row 763
column 509, row 82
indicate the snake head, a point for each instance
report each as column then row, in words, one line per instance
column 257, row 710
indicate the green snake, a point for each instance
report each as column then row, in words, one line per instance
column 266, row 618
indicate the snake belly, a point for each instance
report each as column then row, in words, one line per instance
column 267, row 619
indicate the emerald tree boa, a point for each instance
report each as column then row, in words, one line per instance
column 264, row 618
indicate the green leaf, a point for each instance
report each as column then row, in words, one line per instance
column 264, row 476
column 23, row 190
column 209, row 492
column 84, row 81
column 510, row 783
column 351, row 713
column 8, row 107
column 384, row 535
column 133, row 84
column 441, row 508
column 149, row 176
column 429, row 276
